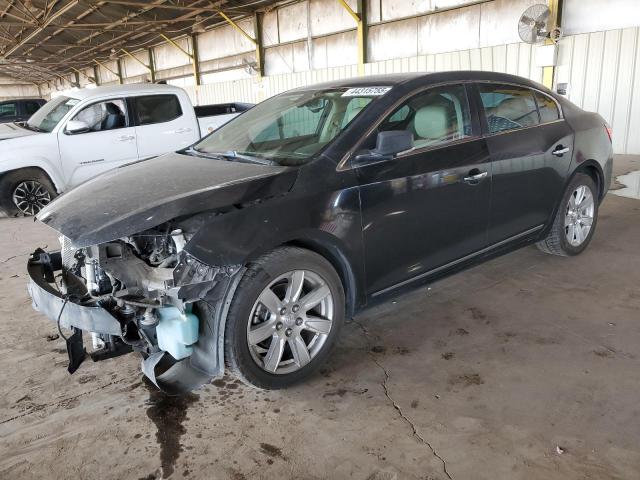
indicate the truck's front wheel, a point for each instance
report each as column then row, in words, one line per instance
column 25, row 191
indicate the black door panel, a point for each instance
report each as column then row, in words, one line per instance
column 419, row 212
column 528, row 178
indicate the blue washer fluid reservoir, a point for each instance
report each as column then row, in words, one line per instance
column 176, row 332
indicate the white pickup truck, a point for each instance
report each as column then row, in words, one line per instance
column 75, row 137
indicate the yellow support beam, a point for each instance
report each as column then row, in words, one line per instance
column 349, row 10
column 194, row 58
column 361, row 26
column 258, row 18
column 137, row 60
column 81, row 73
column 548, row 73
column 238, row 28
column 176, row 45
column 108, row 69
column 256, row 41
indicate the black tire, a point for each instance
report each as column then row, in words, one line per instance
column 11, row 180
column 556, row 242
column 260, row 274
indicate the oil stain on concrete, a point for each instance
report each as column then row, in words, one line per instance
column 168, row 413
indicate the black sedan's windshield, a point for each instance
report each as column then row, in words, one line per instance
column 291, row 128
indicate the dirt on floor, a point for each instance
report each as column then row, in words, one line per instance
column 523, row 368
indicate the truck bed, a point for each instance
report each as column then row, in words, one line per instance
column 212, row 117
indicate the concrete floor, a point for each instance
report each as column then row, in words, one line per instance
column 525, row 367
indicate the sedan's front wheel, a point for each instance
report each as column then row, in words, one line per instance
column 576, row 219
column 284, row 319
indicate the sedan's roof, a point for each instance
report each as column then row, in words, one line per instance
column 395, row 79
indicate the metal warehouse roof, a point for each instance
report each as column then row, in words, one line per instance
column 42, row 39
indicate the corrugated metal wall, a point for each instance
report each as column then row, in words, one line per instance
column 9, row 89
column 602, row 69
column 516, row 58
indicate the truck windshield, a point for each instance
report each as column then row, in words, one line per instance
column 46, row 119
column 291, row 128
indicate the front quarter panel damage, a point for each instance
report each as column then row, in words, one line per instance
column 207, row 360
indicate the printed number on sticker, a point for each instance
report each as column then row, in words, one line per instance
column 366, row 91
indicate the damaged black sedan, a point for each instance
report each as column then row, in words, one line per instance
column 247, row 250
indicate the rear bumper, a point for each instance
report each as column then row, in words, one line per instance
column 608, row 174
column 42, row 269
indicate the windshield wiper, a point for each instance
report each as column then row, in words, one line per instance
column 199, row 153
column 28, row 126
column 247, row 158
column 230, row 155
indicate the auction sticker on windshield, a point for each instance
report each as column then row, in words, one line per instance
column 366, row 91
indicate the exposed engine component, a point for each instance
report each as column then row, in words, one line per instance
column 135, row 293
column 134, row 278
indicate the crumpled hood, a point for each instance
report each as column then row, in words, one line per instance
column 11, row 130
column 142, row 195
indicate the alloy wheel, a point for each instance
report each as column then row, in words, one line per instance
column 290, row 322
column 30, row 196
column 579, row 215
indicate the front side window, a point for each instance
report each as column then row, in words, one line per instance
column 548, row 108
column 152, row 109
column 291, row 128
column 8, row 110
column 103, row 116
column 508, row 107
column 435, row 117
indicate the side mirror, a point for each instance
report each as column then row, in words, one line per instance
column 76, row 126
column 388, row 145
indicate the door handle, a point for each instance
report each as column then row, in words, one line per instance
column 125, row 138
column 183, row 130
column 475, row 176
column 560, row 151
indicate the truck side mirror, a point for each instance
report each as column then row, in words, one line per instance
column 76, row 126
column 388, row 145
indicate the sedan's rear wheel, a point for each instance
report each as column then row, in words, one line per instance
column 575, row 220
column 284, row 319
column 578, row 219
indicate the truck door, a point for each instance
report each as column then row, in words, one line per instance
column 107, row 142
column 162, row 126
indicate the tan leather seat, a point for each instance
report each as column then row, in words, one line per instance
column 431, row 123
column 512, row 108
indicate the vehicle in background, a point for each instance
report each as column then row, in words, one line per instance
column 212, row 117
column 20, row 109
column 309, row 207
column 75, row 137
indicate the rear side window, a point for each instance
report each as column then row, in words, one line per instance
column 156, row 109
column 31, row 107
column 508, row 107
column 8, row 110
column 548, row 108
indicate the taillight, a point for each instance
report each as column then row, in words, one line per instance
column 609, row 130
